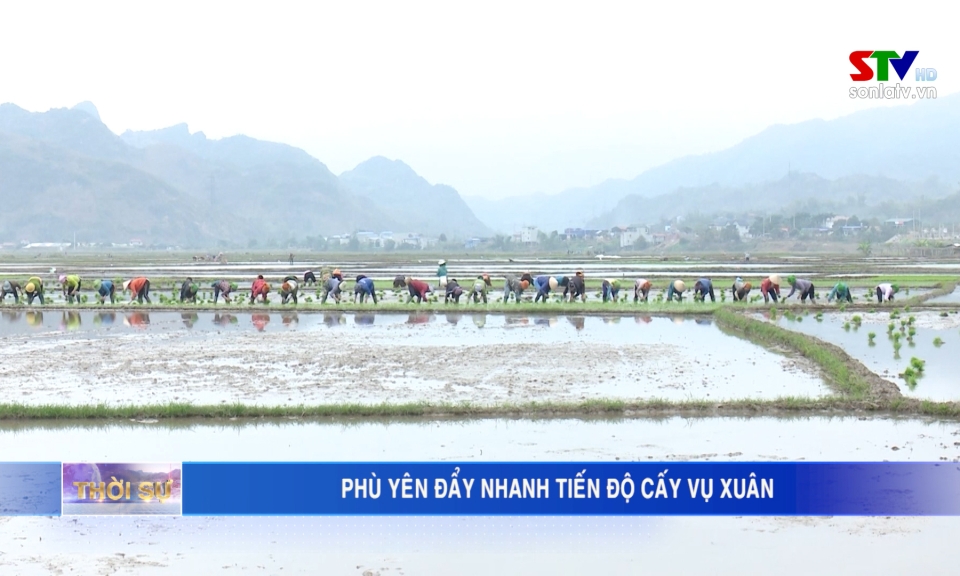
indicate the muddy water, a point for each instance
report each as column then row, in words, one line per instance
column 940, row 380
column 372, row 358
column 488, row 545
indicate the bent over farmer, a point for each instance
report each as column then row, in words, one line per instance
column 139, row 288
column 259, row 289
column 363, row 288
column 803, row 287
column 10, row 287
column 223, row 287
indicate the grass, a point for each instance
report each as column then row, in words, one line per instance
column 835, row 365
column 829, row 405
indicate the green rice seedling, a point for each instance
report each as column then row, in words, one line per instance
column 938, row 341
column 890, row 328
column 911, row 320
column 912, row 332
column 917, row 364
column 943, row 314
column 846, row 326
column 871, row 336
column 857, row 319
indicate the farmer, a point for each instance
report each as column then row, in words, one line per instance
column 288, row 290
column 479, row 291
column 399, row 282
column 841, row 292
column 804, row 287
column 442, row 273
column 576, row 288
column 331, row 287
column 33, row 289
column 10, row 287
column 453, row 291
column 259, row 289
column 641, row 289
column 309, row 278
column 418, row 289
column 543, row 284
column 702, row 288
column 337, row 274
column 886, row 292
column 188, row 291
column 139, row 288
column 770, row 288
column 610, row 289
column 675, row 289
column 105, row 289
column 740, row 290
column 223, row 287
column 71, row 287
column 515, row 286
column 363, row 288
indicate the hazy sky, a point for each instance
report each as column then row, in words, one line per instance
column 493, row 98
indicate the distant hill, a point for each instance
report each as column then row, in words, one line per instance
column 548, row 211
column 911, row 143
column 170, row 186
column 852, row 195
column 411, row 200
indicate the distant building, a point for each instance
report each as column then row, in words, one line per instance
column 529, row 235
column 629, row 236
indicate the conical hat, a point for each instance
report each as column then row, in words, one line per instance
column 679, row 286
column 553, row 283
column 775, row 278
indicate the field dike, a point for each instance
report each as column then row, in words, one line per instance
column 857, row 389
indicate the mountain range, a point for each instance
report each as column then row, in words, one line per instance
column 908, row 143
column 63, row 172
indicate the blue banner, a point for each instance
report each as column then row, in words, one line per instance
column 573, row 488
column 29, row 488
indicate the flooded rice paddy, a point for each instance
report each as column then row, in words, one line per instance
column 484, row 545
column 334, row 357
column 936, row 342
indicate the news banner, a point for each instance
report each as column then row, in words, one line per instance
column 481, row 489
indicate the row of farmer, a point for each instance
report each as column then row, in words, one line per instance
column 331, row 285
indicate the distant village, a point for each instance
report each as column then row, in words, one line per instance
column 691, row 232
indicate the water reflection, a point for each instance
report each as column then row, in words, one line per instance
column 334, row 318
column 546, row 321
column 611, row 319
column 137, row 319
column 260, row 321
column 35, row 318
column 577, row 321
column 454, row 317
column 104, row 318
column 364, row 319
column 11, row 316
column 189, row 318
column 290, row 319
column 643, row 319
column 419, row 318
column 70, row 320
column 225, row 319
column 479, row 320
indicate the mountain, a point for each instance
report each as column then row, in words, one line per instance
column 420, row 206
column 50, row 194
column 801, row 192
column 908, row 142
column 547, row 211
column 65, row 172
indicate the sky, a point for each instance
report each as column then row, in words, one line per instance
column 496, row 98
